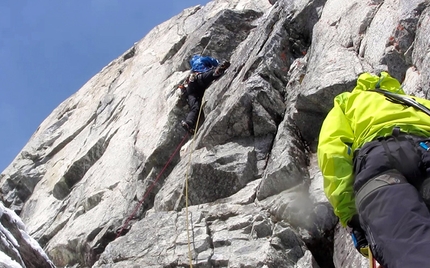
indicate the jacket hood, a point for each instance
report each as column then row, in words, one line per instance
column 368, row 81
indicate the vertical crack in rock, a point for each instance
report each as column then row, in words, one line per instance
column 322, row 248
column 114, row 84
column 363, row 29
column 174, row 49
column 44, row 239
column 275, row 80
column 398, row 56
column 251, row 70
column 269, row 29
column 112, row 113
column 156, row 163
column 266, row 118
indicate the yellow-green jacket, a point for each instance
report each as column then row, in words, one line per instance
column 358, row 117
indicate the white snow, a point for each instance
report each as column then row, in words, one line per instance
column 14, row 243
column 6, row 261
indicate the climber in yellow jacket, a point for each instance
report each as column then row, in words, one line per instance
column 374, row 154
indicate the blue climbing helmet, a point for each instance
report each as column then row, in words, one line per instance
column 201, row 64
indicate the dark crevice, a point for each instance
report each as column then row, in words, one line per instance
column 299, row 44
column 130, row 54
column 252, row 68
column 78, row 169
column 263, row 144
column 270, row 26
column 223, row 217
column 153, row 180
column 174, row 49
column 62, row 144
column 224, row 36
column 150, row 175
column 67, row 110
column 47, row 237
column 93, row 252
column 204, row 42
column 17, row 193
column 115, row 80
column 112, row 115
column 275, row 81
column 322, row 248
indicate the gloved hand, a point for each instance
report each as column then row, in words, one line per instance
column 358, row 236
column 180, row 91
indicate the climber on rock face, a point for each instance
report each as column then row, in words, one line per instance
column 374, row 154
column 204, row 70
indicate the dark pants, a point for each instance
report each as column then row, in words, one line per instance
column 195, row 92
column 393, row 214
column 194, row 103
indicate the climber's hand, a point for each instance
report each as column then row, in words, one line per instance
column 181, row 91
column 358, row 236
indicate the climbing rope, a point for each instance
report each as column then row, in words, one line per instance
column 186, row 186
column 203, row 52
column 372, row 261
column 151, row 187
column 190, row 256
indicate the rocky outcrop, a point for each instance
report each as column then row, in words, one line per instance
column 17, row 247
column 110, row 179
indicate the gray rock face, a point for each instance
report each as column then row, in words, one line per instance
column 17, row 248
column 110, row 179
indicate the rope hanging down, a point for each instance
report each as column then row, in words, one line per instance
column 151, row 187
column 186, row 185
column 372, row 261
column 190, row 257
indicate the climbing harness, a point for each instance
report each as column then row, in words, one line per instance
column 150, row 188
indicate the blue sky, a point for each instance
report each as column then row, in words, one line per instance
column 49, row 49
